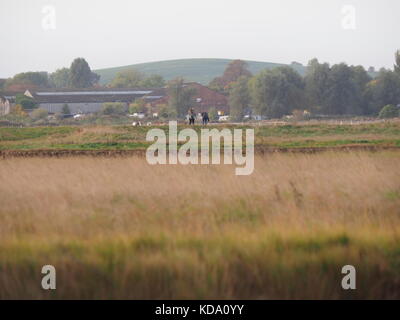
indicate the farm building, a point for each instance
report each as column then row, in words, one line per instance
column 84, row 101
column 4, row 106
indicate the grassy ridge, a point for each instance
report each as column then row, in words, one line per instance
column 198, row 70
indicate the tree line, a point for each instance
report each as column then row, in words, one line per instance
column 79, row 76
column 339, row 89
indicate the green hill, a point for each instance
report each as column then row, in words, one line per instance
column 199, row 70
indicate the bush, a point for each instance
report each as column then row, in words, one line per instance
column 18, row 110
column 213, row 114
column 389, row 111
column 40, row 122
column 65, row 109
column 24, row 101
column 138, row 106
column 166, row 112
column 299, row 115
column 113, row 108
column 38, row 114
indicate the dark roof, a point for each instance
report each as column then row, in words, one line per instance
column 86, row 98
column 95, row 95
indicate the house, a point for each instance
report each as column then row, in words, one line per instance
column 4, row 106
column 203, row 100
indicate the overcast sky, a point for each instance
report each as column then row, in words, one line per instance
column 38, row 35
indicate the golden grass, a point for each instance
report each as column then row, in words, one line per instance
column 120, row 228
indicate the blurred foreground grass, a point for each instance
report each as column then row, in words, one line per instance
column 120, row 228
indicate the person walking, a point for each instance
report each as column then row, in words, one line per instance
column 191, row 116
column 205, row 118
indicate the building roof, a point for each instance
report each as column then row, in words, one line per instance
column 89, row 96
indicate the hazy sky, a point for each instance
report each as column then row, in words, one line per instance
column 122, row 32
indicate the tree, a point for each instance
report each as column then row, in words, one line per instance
column 127, row 79
column 27, row 80
column 65, row 109
column 25, row 101
column 342, row 93
column 138, row 106
column 60, row 78
column 339, row 89
column 234, row 70
column 389, row 111
column 361, row 78
column 135, row 79
column 276, row 92
column 180, row 96
column 153, row 81
column 316, row 85
column 239, row 98
column 397, row 62
column 383, row 90
column 113, row 108
column 80, row 74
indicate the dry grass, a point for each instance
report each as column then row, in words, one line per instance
column 119, row 228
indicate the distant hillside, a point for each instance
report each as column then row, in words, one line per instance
column 199, row 70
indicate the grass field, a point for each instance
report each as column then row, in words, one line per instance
column 120, row 228
column 306, row 135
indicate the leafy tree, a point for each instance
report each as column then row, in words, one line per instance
column 361, row 78
column 113, row 108
column 397, row 62
column 136, row 79
column 234, row 70
column 239, row 98
column 138, row 106
column 180, row 96
column 80, row 74
column 65, row 109
column 317, row 84
column 336, row 90
column 383, row 90
column 153, row 81
column 389, row 111
column 342, row 94
column 2, row 83
column 60, row 78
column 25, row 101
column 27, row 80
column 276, row 92
column 127, row 79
